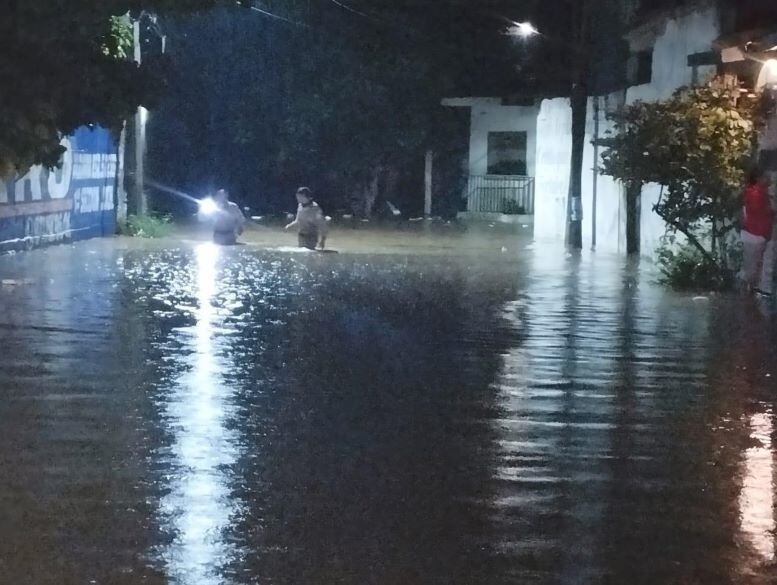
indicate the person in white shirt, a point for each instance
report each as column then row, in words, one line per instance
column 310, row 221
column 227, row 219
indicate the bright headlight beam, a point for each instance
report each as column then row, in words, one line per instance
column 208, row 206
column 523, row 30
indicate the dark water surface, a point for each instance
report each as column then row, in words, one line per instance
column 201, row 416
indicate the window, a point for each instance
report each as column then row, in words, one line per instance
column 507, row 153
column 641, row 68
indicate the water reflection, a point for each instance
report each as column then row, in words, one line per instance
column 199, row 504
column 557, row 397
column 756, row 500
column 376, row 419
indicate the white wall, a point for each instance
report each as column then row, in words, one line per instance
column 489, row 115
column 610, row 200
column 678, row 38
column 673, row 42
column 554, row 150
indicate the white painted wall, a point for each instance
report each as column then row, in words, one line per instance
column 610, row 199
column 685, row 35
column 489, row 115
column 673, row 42
column 554, row 151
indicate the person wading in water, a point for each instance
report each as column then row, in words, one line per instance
column 310, row 221
column 228, row 221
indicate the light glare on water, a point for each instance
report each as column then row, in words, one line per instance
column 199, row 504
column 456, row 414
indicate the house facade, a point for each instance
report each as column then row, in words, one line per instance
column 671, row 48
column 502, row 156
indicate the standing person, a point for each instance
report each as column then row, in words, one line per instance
column 228, row 220
column 310, row 221
column 757, row 227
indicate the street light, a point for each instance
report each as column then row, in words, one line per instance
column 523, row 30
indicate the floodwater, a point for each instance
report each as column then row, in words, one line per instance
column 482, row 411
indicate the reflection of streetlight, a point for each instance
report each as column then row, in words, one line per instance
column 523, row 30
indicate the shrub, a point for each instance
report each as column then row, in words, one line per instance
column 684, row 267
column 696, row 146
column 146, row 226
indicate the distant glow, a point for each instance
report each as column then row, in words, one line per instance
column 771, row 67
column 768, row 76
column 208, row 206
column 523, row 30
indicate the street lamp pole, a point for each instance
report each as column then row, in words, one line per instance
column 139, row 191
column 579, row 105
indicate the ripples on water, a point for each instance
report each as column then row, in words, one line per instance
column 207, row 416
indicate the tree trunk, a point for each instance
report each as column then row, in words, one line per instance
column 579, row 105
column 633, row 215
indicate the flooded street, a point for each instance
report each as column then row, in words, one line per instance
column 486, row 411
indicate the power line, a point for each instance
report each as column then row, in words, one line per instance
column 278, row 17
column 350, row 8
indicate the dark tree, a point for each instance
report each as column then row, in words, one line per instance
column 345, row 96
column 64, row 64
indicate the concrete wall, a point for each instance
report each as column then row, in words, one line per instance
column 673, row 41
column 489, row 115
column 554, row 150
column 74, row 202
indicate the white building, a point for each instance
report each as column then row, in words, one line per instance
column 672, row 49
column 502, row 155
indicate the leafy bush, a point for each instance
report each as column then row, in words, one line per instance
column 513, row 208
column 696, row 146
column 147, row 226
column 684, row 267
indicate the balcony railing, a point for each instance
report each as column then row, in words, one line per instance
column 510, row 194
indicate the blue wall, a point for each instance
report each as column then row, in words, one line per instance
column 74, row 202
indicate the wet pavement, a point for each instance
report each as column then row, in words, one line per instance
column 437, row 408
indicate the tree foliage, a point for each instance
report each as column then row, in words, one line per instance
column 697, row 146
column 64, row 64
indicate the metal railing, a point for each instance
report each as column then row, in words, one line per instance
column 511, row 194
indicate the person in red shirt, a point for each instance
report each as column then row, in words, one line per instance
column 757, row 225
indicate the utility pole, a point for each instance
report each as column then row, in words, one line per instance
column 579, row 104
column 139, row 191
column 428, row 183
column 594, row 195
